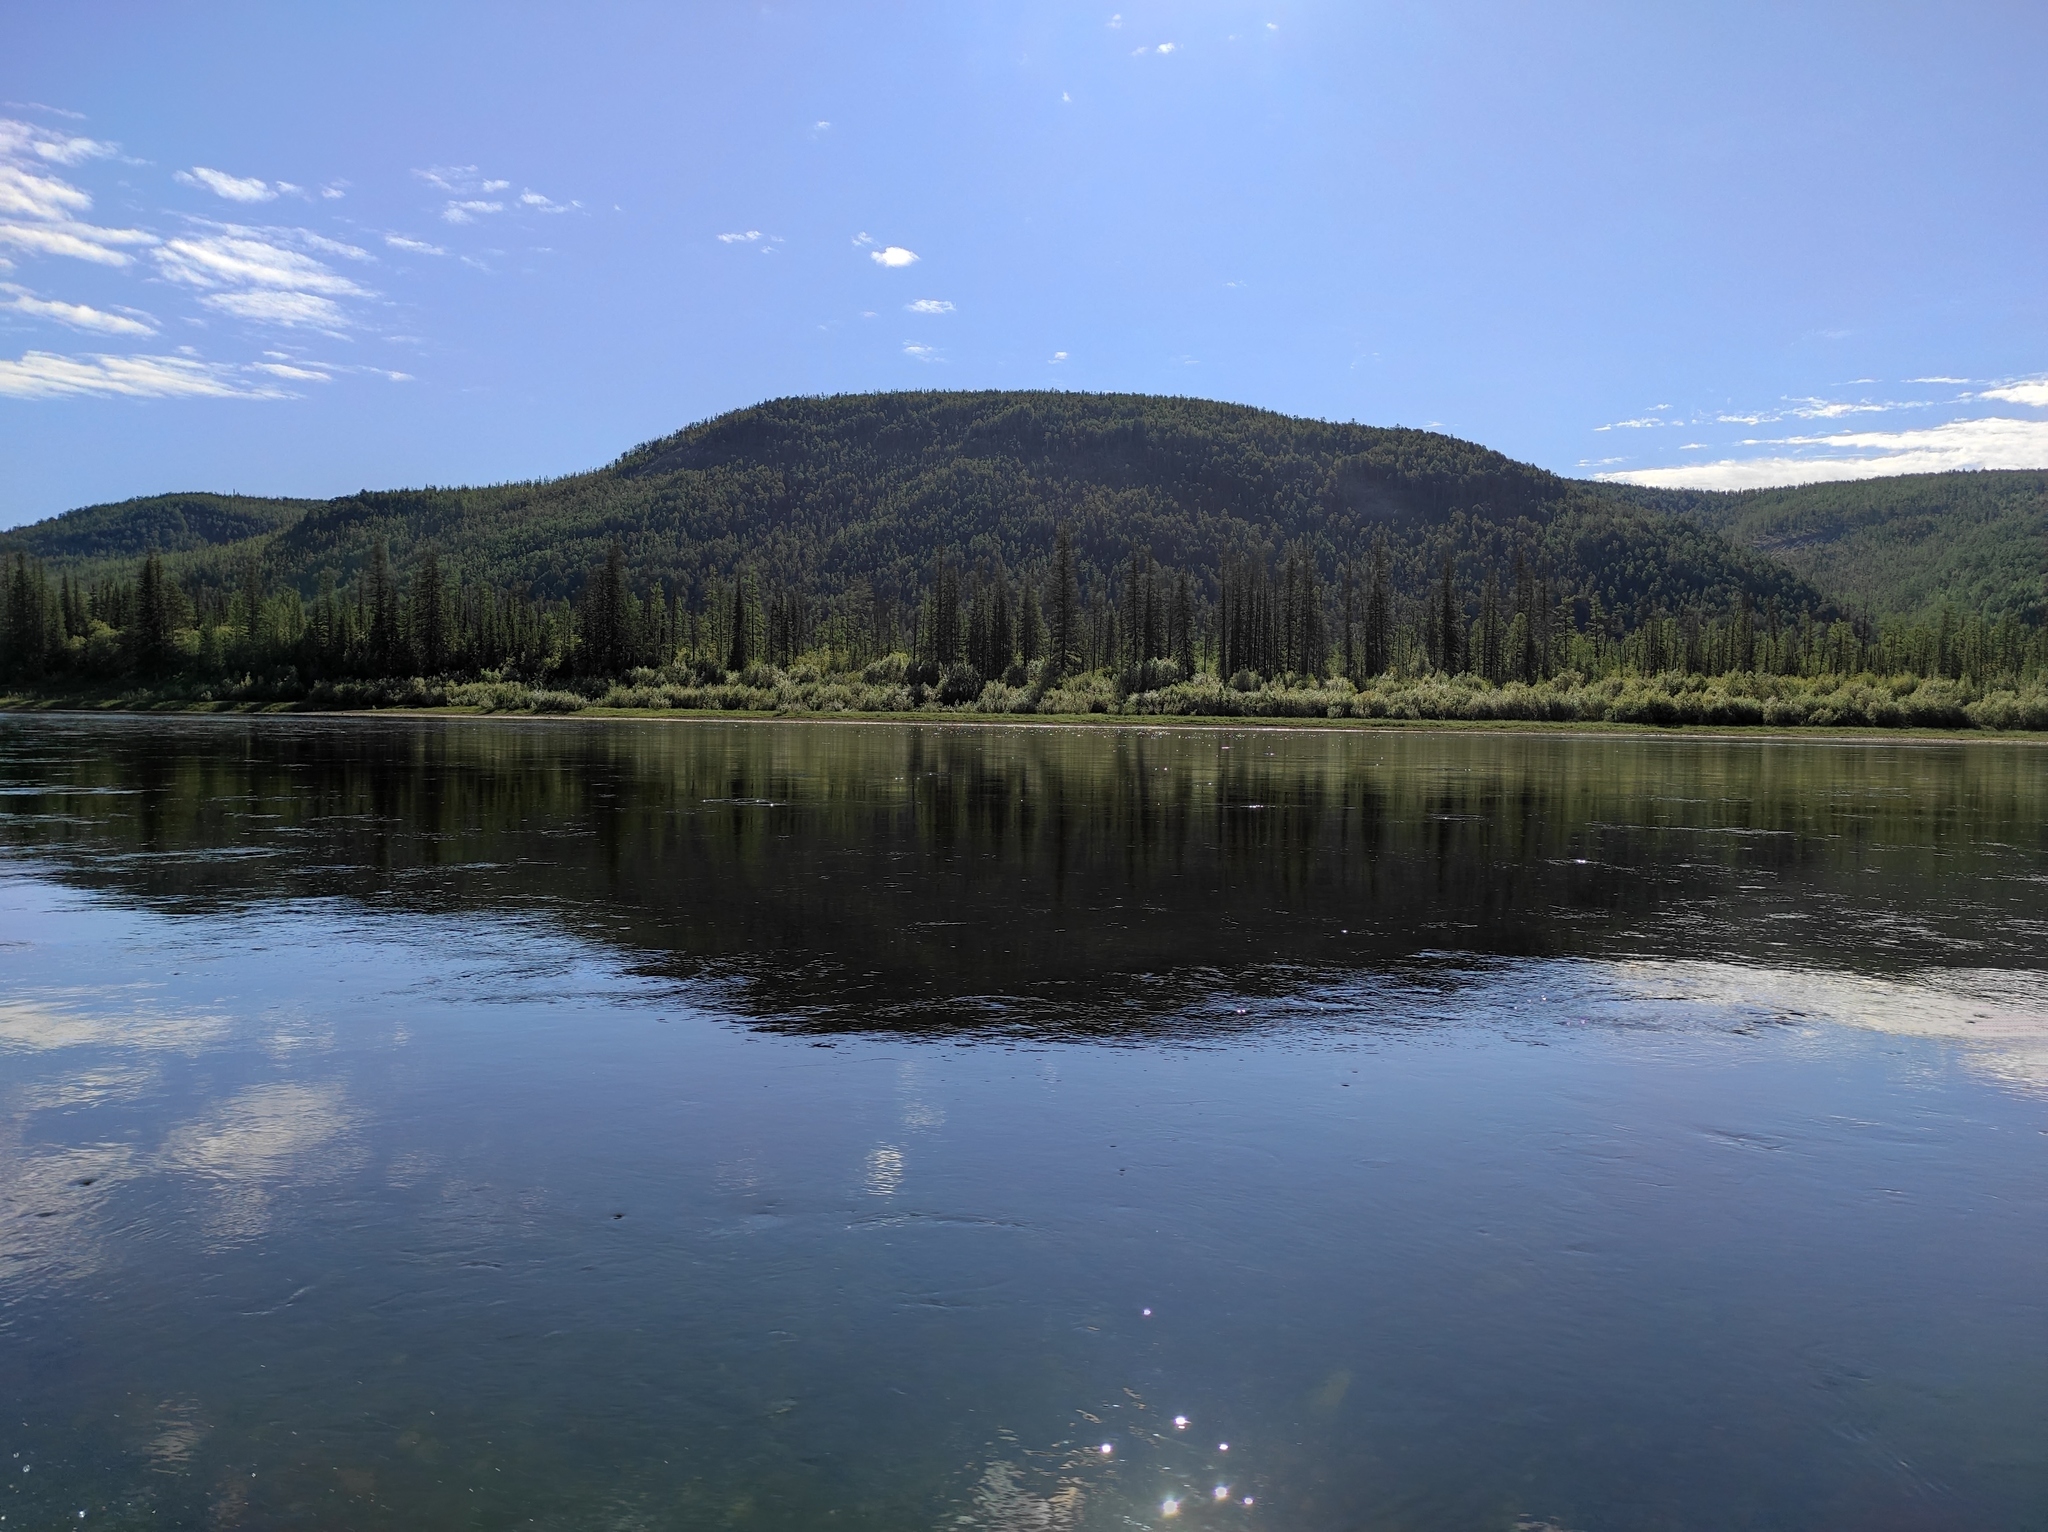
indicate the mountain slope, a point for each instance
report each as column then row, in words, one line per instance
column 1899, row 547
column 832, row 491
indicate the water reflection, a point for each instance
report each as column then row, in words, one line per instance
column 1532, row 1134
column 1058, row 881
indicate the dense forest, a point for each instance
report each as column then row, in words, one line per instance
column 1899, row 547
column 1010, row 551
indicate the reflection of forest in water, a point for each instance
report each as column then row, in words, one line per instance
column 856, row 874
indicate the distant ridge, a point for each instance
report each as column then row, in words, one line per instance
column 876, row 487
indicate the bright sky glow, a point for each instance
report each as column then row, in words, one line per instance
column 307, row 250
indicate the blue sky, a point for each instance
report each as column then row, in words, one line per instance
column 308, row 249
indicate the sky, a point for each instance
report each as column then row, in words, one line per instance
column 309, row 249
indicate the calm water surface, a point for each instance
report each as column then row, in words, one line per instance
column 802, row 1125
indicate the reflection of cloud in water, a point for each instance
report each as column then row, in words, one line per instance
column 2000, row 1015
column 87, row 1088
column 84, row 1020
column 885, row 1171
column 1002, row 1504
column 265, row 1135
column 181, row 1427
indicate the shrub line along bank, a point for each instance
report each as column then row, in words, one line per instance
column 891, row 688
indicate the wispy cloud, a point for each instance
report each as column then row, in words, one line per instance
column 292, row 310
column 236, row 256
column 292, row 371
column 746, row 238
column 233, row 188
column 412, row 246
column 469, row 210
column 265, row 276
column 929, row 306
column 44, row 375
column 449, row 178
column 2033, row 393
column 1992, row 442
column 42, row 213
column 893, row 255
column 917, row 351
column 1056, row 358
column 533, row 201
column 25, row 138
column 77, row 315
column 79, row 241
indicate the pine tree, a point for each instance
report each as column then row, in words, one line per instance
column 1379, row 613
column 1066, row 608
column 429, row 616
column 156, row 619
column 1450, row 621
column 386, row 639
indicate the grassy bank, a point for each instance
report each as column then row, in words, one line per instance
column 1665, row 701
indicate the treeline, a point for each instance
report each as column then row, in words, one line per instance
column 1140, row 624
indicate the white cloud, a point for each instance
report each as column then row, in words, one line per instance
column 268, row 306
column 930, row 306
column 466, row 211
column 333, row 191
column 1167, row 47
column 894, row 255
column 412, row 246
column 821, row 127
column 1994, row 442
column 740, row 239
column 234, row 256
column 449, row 178
column 78, row 315
column 541, row 204
column 2035, row 394
column 1937, row 380
column 80, row 241
column 24, row 194
column 921, row 353
column 42, row 213
column 1056, row 357
column 19, row 139
column 496, row 186
column 1641, row 422
column 287, row 370
column 1115, row 22
column 43, row 375
column 221, row 184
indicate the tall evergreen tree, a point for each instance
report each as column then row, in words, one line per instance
column 387, row 639
column 156, row 619
column 429, row 616
column 1066, row 607
column 1450, row 621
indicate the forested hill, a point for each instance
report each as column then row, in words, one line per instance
column 828, row 492
column 1899, row 547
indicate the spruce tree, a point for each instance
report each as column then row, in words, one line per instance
column 1066, row 608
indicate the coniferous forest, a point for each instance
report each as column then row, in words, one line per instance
column 1051, row 553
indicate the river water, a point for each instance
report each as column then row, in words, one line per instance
column 798, row 1125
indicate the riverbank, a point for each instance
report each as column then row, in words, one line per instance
column 1671, row 701
column 970, row 719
